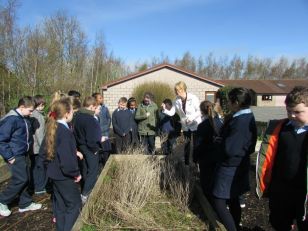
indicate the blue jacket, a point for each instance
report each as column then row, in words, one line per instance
column 122, row 122
column 104, row 120
column 14, row 135
column 65, row 164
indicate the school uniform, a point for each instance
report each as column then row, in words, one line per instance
column 63, row 170
column 88, row 137
column 122, row 123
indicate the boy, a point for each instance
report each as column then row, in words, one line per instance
column 282, row 164
column 14, row 144
column 122, row 120
column 37, row 119
column 132, row 107
column 146, row 115
column 168, row 126
column 88, row 138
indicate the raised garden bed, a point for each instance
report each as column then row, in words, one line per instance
column 138, row 192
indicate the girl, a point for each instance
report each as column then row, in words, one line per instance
column 207, row 151
column 239, row 136
column 62, row 165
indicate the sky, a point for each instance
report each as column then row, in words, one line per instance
column 138, row 30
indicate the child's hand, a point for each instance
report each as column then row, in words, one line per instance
column 104, row 138
column 11, row 161
column 148, row 114
column 77, row 178
column 79, row 154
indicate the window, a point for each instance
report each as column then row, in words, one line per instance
column 210, row 96
column 267, row 97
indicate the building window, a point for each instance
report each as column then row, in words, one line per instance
column 267, row 97
column 210, row 96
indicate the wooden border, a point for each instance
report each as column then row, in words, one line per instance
column 5, row 173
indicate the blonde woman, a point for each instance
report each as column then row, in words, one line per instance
column 187, row 107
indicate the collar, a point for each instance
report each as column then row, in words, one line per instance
column 64, row 123
column 298, row 130
column 86, row 111
column 242, row 112
column 19, row 112
column 118, row 109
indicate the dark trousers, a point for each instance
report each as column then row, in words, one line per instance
column 189, row 135
column 90, row 170
column 148, row 142
column 285, row 207
column 167, row 145
column 18, row 184
column 231, row 217
column 38, row 179
column 67, row 203
column 122, row 142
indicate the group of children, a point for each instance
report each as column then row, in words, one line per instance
column 74, row 144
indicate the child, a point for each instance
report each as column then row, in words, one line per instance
column 147, row 117
column 132, row 107
column 282, row 164
column 122, row 121
column 239, row 136
column 207, row 150
column 167, row 127
column 38, row 126
column 14, row 144
column 62, row 165
column 104, row 122
column 88, row 137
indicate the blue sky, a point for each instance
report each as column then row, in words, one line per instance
column 137, row 30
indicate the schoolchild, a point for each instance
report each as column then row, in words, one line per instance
column 132, row 107
column 88, row 137
column 282, row 164
column 239, row 136
column 14, row 145
column 167, row 126
column 38, row 173
column 122, row 123
column 207, row 151
column 147, row 117
column 104, row 119
column 62, row 165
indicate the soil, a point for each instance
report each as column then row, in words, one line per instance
column 254, row 215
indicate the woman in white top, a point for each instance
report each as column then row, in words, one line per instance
column 187, row 107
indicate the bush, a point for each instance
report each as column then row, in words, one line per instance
column 160, row 91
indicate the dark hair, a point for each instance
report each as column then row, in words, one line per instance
column 299, row 94
column 168, row 102
column 241, row 96
column 76, row 104
column 74, row 93
column 95, row 94
column 130, row 100
column 26, row 101
column 38, row 100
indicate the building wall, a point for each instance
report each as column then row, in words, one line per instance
column 165, row 75
column 277, row 100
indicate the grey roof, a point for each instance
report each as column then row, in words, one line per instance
column 264, row 114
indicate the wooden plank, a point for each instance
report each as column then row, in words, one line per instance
column 208, row 210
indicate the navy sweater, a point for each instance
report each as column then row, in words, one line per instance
column 239, row 139
column 14, row 135
column 87, row 131
column 65, row 164
column 122, row 122
column 289, row 170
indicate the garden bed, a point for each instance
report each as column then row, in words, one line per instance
column 138, row 192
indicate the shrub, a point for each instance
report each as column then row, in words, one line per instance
column 160, row 91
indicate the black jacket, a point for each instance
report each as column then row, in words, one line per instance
column 65, row 164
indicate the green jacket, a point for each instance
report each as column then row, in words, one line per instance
column 147, row 125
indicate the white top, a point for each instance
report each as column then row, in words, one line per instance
column 193, row 114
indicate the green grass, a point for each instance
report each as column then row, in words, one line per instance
column 1, row 161
column 88, row 228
